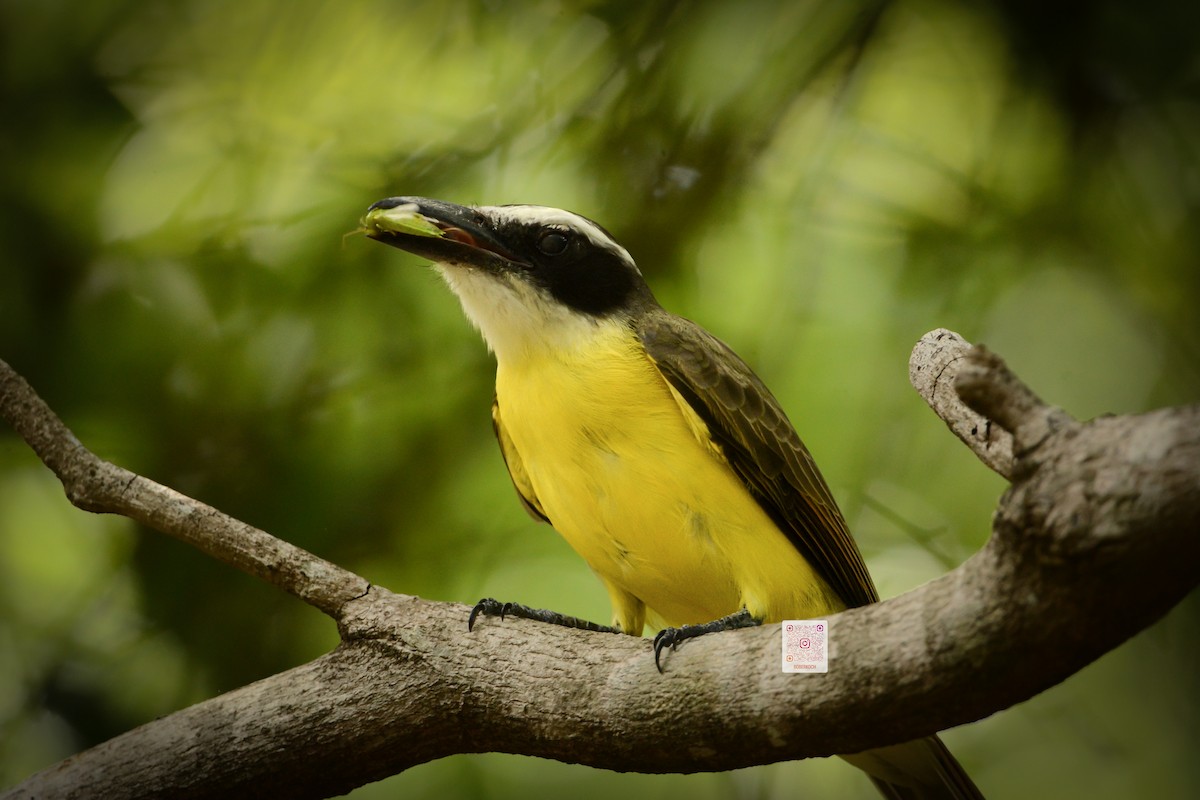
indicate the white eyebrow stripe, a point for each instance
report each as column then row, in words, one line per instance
column 544, row 215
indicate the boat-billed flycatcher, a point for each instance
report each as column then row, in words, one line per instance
column 648, row 444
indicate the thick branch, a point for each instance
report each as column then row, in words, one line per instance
column 1100, row 528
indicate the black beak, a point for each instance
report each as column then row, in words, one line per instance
column 467, row 237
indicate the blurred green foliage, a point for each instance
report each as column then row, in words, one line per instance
column 816, row 183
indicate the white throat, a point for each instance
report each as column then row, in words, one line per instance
column 516, row 320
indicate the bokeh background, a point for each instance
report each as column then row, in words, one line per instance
column 816, row 183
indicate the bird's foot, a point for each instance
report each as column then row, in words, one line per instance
column 494, row 608
column 671, row 637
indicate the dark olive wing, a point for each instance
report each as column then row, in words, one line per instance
column 516, row 468
column 761, row 446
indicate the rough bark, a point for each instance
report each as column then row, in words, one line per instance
column 1094, row 541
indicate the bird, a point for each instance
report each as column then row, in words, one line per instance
column 648, row 444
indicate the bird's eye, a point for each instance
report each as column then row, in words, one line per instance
column 552, row 242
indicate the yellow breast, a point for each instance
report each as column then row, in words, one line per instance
column 626, row 473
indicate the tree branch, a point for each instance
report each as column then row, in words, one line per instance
column 1099, row 526
column 935, row 363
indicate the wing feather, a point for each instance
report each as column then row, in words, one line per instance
column 516, row 468
column 761, row 446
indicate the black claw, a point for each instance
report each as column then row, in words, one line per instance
column 662, row 640
column 671, row 637
column 489, row 608
column 494, row 608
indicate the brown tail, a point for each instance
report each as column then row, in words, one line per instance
column 919, row 770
